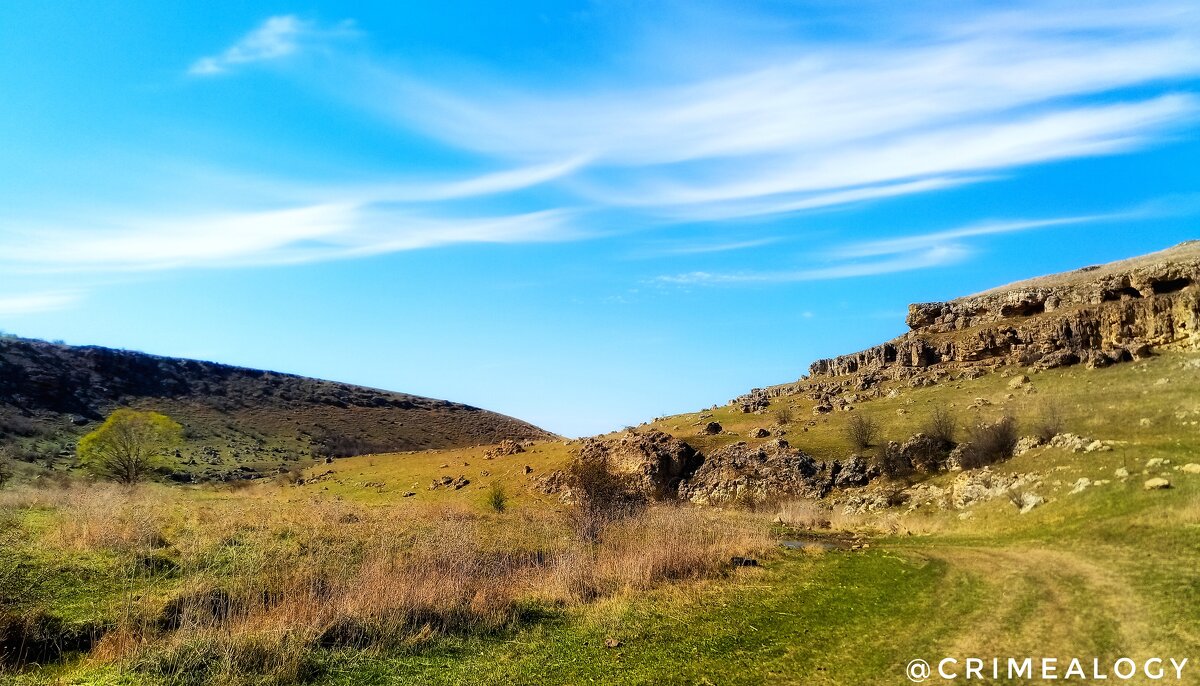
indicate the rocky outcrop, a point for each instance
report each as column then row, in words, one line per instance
column 740, row 472
column 1099, row 315
column 656, row 461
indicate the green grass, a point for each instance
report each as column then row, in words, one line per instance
column 1111, row 571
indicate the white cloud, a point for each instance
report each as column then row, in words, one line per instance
column 930, row 257
column 291, row 236
column 275, row 38
column 886, row 256
column 34, row 303
column 342, row 222
column 839, row 123
column 892, row 246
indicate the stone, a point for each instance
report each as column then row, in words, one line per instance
column 612, row 643
column 1155, row 462
column 1191, row 468
column 1156, row 484
column 954, row 461
column 712, row 428
column 1121, row 473
column 1026, row 501
column 926, row 454
column 1080, row 485
column 1027, row 443
column 759, row 433
column 1018, row 381
column 504, row 448
column 853, row 471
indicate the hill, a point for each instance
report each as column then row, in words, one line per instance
column 238, row 422
column 463, row 566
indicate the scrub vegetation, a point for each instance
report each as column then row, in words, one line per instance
column 335, row 575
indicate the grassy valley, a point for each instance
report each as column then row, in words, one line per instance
column 343, row 578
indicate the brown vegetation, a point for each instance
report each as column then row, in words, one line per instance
column 244, row 586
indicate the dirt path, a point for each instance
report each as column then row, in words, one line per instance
column 1047, row 602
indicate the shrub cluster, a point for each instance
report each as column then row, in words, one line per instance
column 861, row 431
column 990, row 442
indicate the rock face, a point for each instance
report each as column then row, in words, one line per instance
column 657, row 461
column 739, row 472
column 1099, row 315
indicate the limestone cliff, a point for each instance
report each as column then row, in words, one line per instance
column 1098, row 315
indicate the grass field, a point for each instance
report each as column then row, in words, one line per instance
column 476, row 596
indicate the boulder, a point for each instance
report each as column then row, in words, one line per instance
column 739, row 471
column 1026, row 501
column 1156, row 484
column 505, row 448
column 853, row 471
column 1191, row 468
column 926, row 453
column 712, row 428
column 759, row 433
column 656, row 461
column 1027, row 443
column 1018, row 381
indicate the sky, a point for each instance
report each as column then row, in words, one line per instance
column 582, row 214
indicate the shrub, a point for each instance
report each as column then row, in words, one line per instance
column 1049, row 422
column 601, row 496
column 783, row 416
column 990, row 443
column 940, row 425
column 497, row 497
column 861, row 431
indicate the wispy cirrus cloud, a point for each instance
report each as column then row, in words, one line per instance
column 960, row 101
column 34, row 303
column 793, row 126
column 935, row 256
column 336, row 222
column 887, row 256
column 275, row 38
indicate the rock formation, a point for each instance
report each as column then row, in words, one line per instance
column 655, row 460
column 1099, row 315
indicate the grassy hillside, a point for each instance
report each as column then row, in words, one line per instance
column 1105, row 571
column 234, row 418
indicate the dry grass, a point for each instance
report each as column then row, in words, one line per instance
column 258, row 582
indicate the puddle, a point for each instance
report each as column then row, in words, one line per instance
column 816, row 544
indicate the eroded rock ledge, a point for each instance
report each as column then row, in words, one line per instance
column 1098, row 315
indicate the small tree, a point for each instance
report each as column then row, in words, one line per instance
column 1049, row 422
column 129, row 445
column 940, row 426
column 783, row 416
column 861, row 431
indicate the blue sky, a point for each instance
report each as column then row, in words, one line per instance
column 583, row 214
